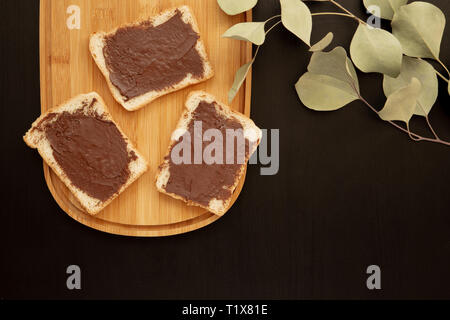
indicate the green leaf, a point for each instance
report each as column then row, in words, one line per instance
column 324, row 93
column 387, row 7
column 330, row 82
column 401, row 104
column 233, row 7
column 376, row 50
column 335, row 64
column 323, row 44
column 247, row 31
column 296, row 17
column 239, row 79
column 425, row 73
column 419, row 27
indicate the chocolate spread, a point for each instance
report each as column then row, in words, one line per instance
column 90, row 150
column 145, row 58
column 203, row 182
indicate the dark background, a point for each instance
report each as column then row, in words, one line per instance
column 352, row 191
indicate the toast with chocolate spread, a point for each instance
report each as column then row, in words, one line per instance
column 87, row 150
column 208, row 154
column 145, row 60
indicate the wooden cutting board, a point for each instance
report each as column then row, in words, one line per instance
column 67, row 69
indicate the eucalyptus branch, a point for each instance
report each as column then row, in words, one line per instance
column 441, row 76
column 372, row 50
column 274, row 17
column 267, row 32
column 334, row 14
column 271, row 28
column 431, row 127
column 347, row 11
column 445, row 68
column 243, row 71
column 412, row 135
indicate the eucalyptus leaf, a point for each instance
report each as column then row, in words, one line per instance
column 401, row 104
column 233, row 7
column 419, row 27
column 387, row 7
column 248, row 31
column 296, row 17
column 330, row 82
column 376, row 50
column 324, row 93
column 323, row 44
column 335, row 64
column 239, row 79
column 425, row 73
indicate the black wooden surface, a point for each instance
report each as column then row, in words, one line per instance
column 352, row 191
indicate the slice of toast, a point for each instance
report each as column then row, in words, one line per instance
column 207, row 184
column 135, row 71
column 87, row 150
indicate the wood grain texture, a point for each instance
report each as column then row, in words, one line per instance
column 67, row 69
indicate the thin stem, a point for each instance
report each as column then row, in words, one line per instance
column 258, row 47
column 431, row 128
column 391, row 122
column 443, row 66
column 256, row 53
column 270, row 29
column 441, row 76
column 333, row 14
column 428, row 120
column 271, row 18
column 345, row 10
column 412, row 135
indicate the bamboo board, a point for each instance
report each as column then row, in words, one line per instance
column 67, row 69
